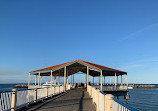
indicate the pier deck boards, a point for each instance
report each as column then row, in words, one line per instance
column 75, row 100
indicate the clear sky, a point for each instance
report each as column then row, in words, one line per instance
column 39, row 33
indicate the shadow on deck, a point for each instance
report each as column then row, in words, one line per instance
column 73, row 100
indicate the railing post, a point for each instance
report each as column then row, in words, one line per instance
column 35, row 95
column 97, row 99
column 14, row 99
column 47, row 92
column 109, row 99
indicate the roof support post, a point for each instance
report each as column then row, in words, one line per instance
column 41, row 82
column 93, row 80
column 73, row 78
column 59, row 79
column 87, row 75
column 39, row 79
column 127, row 80
column 55, row 80
column 35, row 79
column 115, row 80
column 104, row 80
column 51, row 78
column 121, row 80
column 29, row 81
column 65, row 78
column 101, row 74
column 86, row 80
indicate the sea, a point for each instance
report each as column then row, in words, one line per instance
column 141, row 99
column 9, row 87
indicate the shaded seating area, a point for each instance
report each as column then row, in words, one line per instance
column 68, row 69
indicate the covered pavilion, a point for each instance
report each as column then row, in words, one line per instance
column 70, row 68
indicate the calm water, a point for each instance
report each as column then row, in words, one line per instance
column 6, row 87
column 142, row 99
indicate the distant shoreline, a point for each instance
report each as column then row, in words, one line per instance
column 143, row 86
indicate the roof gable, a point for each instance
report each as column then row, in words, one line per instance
column 85, row 63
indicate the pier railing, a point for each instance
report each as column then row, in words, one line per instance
column 15, row 99
column 112, row 88
column 120, row 106
column 107, row 102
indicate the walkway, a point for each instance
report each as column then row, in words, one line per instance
column 74, row 100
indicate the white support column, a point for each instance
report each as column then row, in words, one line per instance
column 86, row 80
column 38, row 79
column 29, row 81
column 93, row 80
column 55, row 80
column 41, row 82
column 58, row 79
column 115, row 80
column 87, row 75
column 127, row 80
column 51, row 78
column 104, row 80
column 73, row 78
column 101, row 74
column 65, row 77
column 35, row 80
column 121, row 80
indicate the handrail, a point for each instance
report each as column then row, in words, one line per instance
column 107, row 102
column 19, row 98
column 22, row 89
column 102, row 93
column 125, row 105
column 111, row 87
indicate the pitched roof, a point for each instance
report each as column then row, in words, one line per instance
column 85, row 63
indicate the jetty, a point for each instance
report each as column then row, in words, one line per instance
column 144, row 86
column 67, row 96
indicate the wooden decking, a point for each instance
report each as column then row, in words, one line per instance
column 73, row 100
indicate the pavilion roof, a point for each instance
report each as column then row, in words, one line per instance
column 77, row 66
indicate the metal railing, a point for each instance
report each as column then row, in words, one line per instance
column 5, row 100
column 107, row 102
column 112, row 88
column 15, row 99
column 120, row 106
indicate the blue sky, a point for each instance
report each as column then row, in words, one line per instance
column 119, row 34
